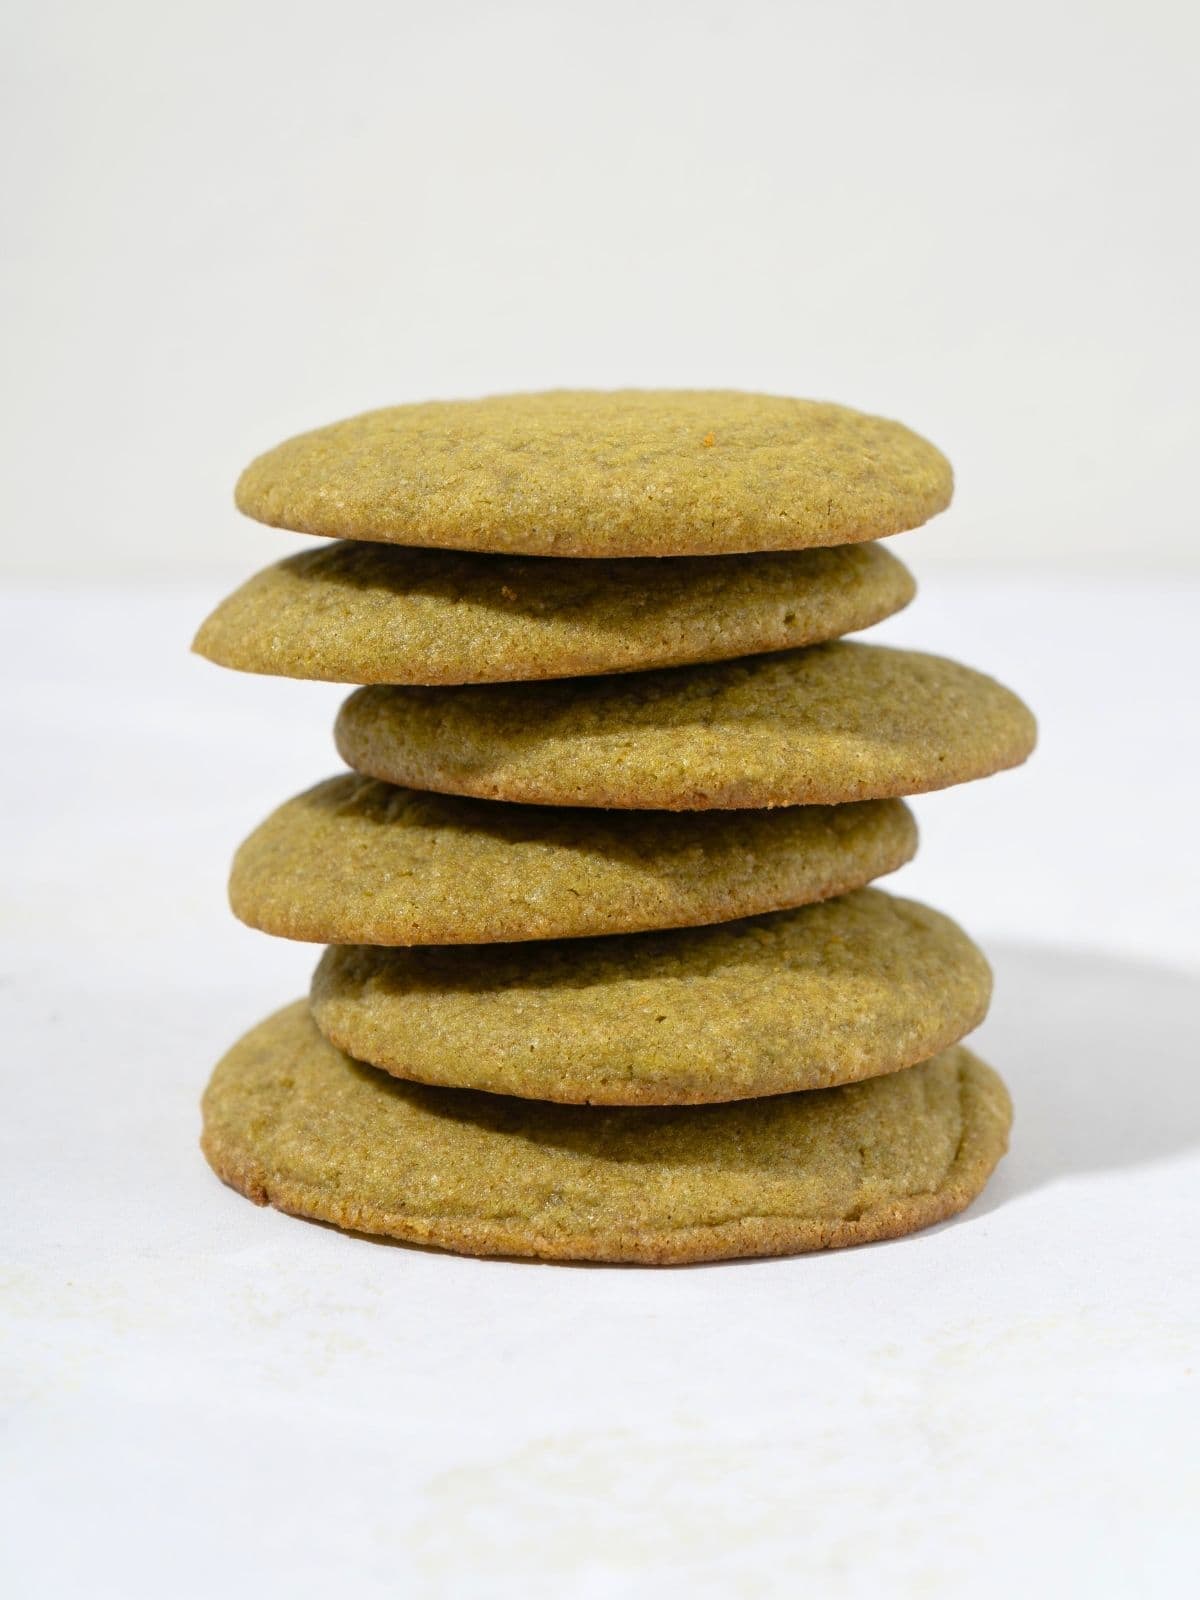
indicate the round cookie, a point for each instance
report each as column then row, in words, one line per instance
column 603, row 473
column 291, row 1122
column 352, row 861
column 822, row 726
column 827, row 994
column 362, row 613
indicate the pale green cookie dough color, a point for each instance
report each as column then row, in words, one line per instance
column 291, row 1122
column 592, row 473
column 835, row 723
column 353, row 861
column 364, row 613
column 826, row 994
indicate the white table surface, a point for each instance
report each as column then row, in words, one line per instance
column 203, row 1398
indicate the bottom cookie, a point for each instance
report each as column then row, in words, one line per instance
column 292, row 1122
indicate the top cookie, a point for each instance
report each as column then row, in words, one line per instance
column 597, row 473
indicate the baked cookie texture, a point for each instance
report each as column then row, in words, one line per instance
column 290, row 1121
column 362, row 613
column 354, row 861
column 603, row 473
column 827, row 994
column 835, row 723
column 603, row 980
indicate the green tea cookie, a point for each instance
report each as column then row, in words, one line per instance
column 590, row 473
column 356, row 862
column 835, row 723
column 828, row 994
column 361, row 613
column 291, row 1122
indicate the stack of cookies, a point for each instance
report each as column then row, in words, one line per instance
column 604, row 979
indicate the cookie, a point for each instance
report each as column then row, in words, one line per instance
column 823, row 726
column 291, row 1122
column 590, row 473
column 803, row 999
column 361, row 613
column 357, row 862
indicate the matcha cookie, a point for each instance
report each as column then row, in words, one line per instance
column 827, row 994
column 290, row 1121
column 588, row 473
column 362, row 613
column 822, row 726
column 357, row 862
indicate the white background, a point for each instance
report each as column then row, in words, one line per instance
column 227, row 222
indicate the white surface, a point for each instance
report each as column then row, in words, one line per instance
column 207, row 1399
column 226, row 222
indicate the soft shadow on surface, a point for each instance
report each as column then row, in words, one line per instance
column 1102, row 1055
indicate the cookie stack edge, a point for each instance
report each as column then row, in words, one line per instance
column 601, row 946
